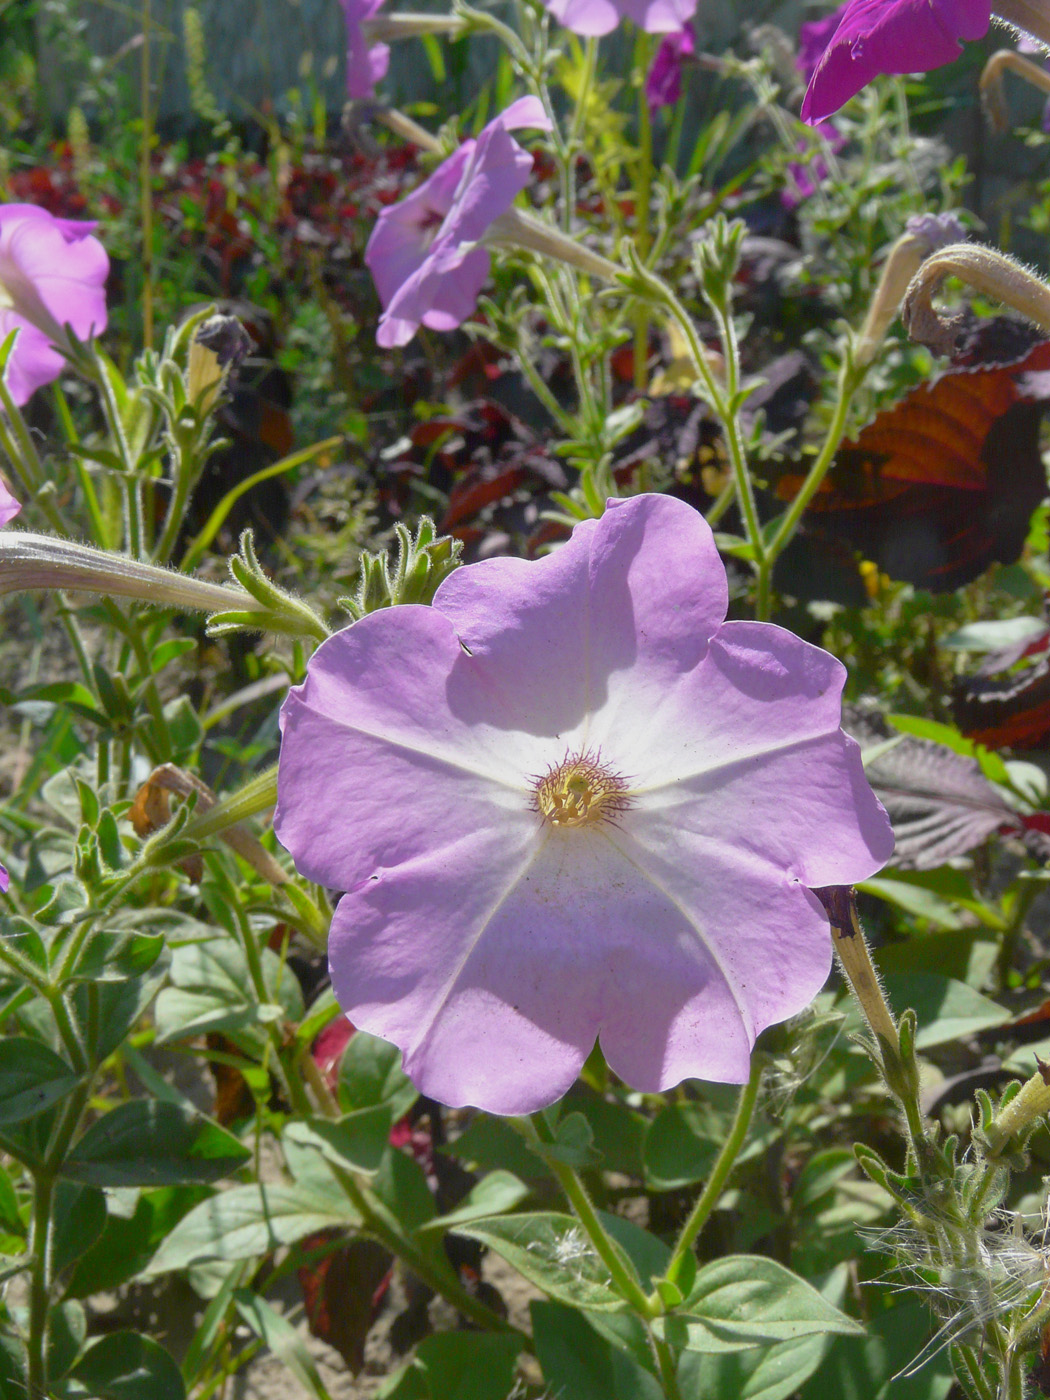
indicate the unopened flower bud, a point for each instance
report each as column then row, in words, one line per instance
column 923, row 235
column 991, row 273
column 1023, row 1111
column 218, row 346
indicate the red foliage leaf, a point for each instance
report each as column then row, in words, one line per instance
column 943, row 484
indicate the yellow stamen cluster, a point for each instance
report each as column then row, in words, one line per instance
column 580, row 791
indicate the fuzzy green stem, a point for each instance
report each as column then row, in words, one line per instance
column 712, row 1192
column 146, row 181
column 623, row 1279
column 39, row 1285
column 849, row 380
column 642, row 206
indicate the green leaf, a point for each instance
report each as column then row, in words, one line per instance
column 32, row 1078
column 468, row 1365
column 282, row 1339
column 745, row 1301
column 491, row 1144
column 994, row 636
column 66, row 1331
column 761, row 1373
column 680, row 1147
column 947, row 1010
column 357, row 1140
column 494, row 1194
column 573, row 1143
column 79, row 1219
column 578, row 1364
column 10, row 1219
column 119, row 1006
column 113, row 955
column 551, row 1251
column 149, row 1143
column 922, row 903
column 211, row 991
column 125, row 1366
column 618, row 1131
column 868, row 1368
column 248, row 1221
column 125, row 1246
column 401, row 1184
column 370, row 1073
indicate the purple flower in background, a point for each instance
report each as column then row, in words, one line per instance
column 5, row 880
column 663, row 84
column 52, row 274
column 594, row 17
column 425, row 253
column 569, row 800
column 888, row 36
column 9, row 507
column 366, row 64
column 804, row 178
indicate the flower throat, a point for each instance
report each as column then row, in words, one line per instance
column 580, row 791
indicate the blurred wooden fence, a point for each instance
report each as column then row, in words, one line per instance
column 256, row 51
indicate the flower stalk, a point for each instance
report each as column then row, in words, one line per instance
column 43, row 561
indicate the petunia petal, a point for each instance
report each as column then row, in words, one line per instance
column 34, row 361
column 400, row 766
column 496, row 985
column 600, row 628
column 889, row 36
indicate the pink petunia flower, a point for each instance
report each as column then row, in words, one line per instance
column 9, row 507
column 569, row 800
column 52, row 274
column 663, row 83
column 366, row 64
column 426, row 252
column 595, row 17
column 888, row 36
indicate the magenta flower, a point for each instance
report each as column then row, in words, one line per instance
column 888, row 36
column 568, row 800
column 425, row 253
column 52, row 274
column 804, row 177
column 663, row 83
column 366, row 64
column 594, row 17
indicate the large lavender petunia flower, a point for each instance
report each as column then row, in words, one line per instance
column 366, row 64
column 568, row 800
column 425, row 253
column 52, row 274
column 887, row 36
